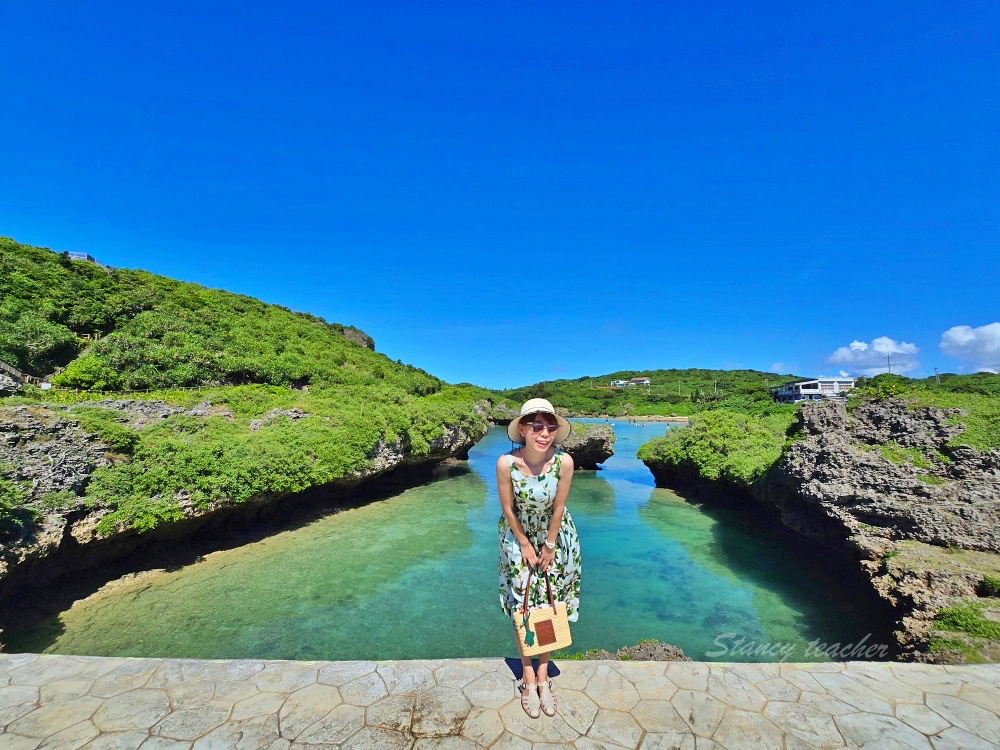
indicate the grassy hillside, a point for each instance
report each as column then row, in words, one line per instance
column 155, row 332
column 670, row 391
column 257, row 432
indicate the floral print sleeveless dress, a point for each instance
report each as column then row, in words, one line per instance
column 533, row 502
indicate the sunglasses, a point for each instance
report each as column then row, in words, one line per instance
column 539, row 426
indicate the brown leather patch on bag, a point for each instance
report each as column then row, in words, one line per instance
column 545, row 632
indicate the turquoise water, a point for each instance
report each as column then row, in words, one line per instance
column 415, row 576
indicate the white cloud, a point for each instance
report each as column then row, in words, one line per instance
column 862, row 358
column 979, row 346
column 778, row 367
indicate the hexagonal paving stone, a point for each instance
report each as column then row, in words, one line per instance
column 853, row 692
column 190, row 693
column 283, row 678
column 658, row 716
column 340, row 673
column 966, row 716
column 510, row 741
column 733, row 690
column 984, row 697
column 118, row 741
column 131, row 675
column 700, row 711
column 671, row 741
column 492, row 690
column 191, row 723
column 394, row 713
column 576, row 709
column 778, row 689
column 803, row 680
column 260, row 704
column 71, row 738
column 609, row 689
column 688, row 675
column 68, row 687
column 439, row 712
column 575, row 675
column 543, row 729
column 483, row 726
column 137, row 709
column 655, row 688
column 445, row 743
column 615, row 726
column 17, row 695
column 164, row 743
column 958, row 739
column 364, row 691
column 636, row 671
column 456, row 675
column 231, row 690
column 372, row 738
column 250, row 734
column 929, row 681
column 921, row 718
column 587, row 743
column 306, row 707
column 45, row 670
column 879, row 679
column 810, row 725
column 336, row 726
column 17, row 742
column 740, row 729
column 859, row 729
column 406, row 678
column 51, row 719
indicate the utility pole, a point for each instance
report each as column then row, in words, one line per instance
column 888, row 363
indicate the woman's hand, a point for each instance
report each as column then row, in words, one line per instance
column 528, row 554
column 545, row 561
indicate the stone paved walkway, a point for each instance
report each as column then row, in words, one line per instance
column 97, row 703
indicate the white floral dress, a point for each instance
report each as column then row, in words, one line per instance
column 533, row 502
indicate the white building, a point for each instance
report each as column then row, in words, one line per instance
column 811, row 390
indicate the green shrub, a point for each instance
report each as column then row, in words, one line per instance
column 931, row 479
column 724, row 444
column 989, row 586
column 967, row 617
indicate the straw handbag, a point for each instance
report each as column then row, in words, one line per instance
column 541, row 630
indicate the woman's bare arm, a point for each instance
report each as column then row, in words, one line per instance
column 506, row 492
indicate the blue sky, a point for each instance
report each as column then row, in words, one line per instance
column 522, row 192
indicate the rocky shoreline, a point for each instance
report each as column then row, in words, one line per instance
column 881, row 490
column 46, row 449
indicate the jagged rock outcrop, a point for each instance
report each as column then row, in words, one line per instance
column 590, row 444
column 8, row 386
column 46, row 450
column 643, row 651
column 47, row 453
column 881, row 490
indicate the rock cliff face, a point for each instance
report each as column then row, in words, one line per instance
column 590, row 445
column 882, row 490
column 48, row 451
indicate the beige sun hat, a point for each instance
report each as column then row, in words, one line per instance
column 538, row 406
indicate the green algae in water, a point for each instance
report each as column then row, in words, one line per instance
column 415, row 576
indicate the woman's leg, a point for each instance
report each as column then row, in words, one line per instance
column 546, row 699
column 529, row 691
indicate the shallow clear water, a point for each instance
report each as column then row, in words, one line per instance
column 415, row 576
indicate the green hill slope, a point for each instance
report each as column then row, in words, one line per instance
column 670, row 391
column 155, row 332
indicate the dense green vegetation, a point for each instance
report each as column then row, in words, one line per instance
column 246, row 447
column 119, row 329
column 738, row 439
column 255, row 368
column 681, row 392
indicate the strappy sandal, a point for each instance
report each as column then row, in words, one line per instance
column 529, row 701
column 546, row 699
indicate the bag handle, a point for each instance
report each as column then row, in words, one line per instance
column 527, row 586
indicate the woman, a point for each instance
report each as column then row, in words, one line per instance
column 537, row 533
